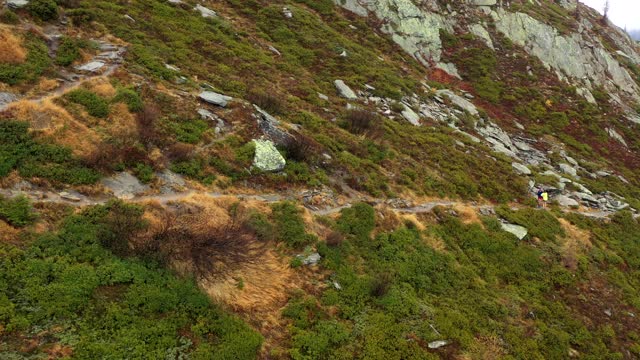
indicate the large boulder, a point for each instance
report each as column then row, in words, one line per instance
column 344, row 90
column 267, row 157
column 410, row 115
column 521, row 169
column 205, row 12
column 124, row 185
column 566, row 201
column 518, row 231
column 568, row 169
column 214, row 98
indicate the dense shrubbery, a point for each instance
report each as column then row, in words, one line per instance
column 93, row 103
column 131, row 98
column 102, row 306
column 18, row 150
column 44, row 10
column 68, row 51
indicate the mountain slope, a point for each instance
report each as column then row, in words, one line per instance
column 394, row 217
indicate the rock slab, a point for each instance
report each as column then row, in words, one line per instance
column 267, row 157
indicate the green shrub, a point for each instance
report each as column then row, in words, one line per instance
column 194, row 168
column 144, row 172
column 131, row 98
column 17, row 211
column 540, row 223
column 44, row 10
column 95, row 105
column 358, row 220
column 9, row 17
column 189, row 131
column 290, row 226
column 68, row 51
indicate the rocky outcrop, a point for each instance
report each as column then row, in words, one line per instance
column 267, row 157
column 214, row 98
column 416, row 30
column 124, row 185
column 576, row 57
column 205, row 12
column 518, row 231
column 270, row 127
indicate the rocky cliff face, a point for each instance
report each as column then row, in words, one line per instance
column 579, row 53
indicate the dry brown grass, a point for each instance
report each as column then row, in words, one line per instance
column 467, row 214
column 121, row 123
column 576, row 242
column 102, row 87
column 486, row 348
column 8, row 234
column 11, row 50
column 45, row 85
column 49, row 119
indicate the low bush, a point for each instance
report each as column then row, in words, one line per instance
column 17, row 211
column 9, row 17
column 131, row 98
column 36, row 64
column 68, row 51
column 94, row 104
column 290, row 227
column 266, row 101
column 189, row 131
column 44, row 10
column 359, row 121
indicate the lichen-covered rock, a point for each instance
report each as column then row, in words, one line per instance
column 267, row 157
column 344, row 90
column 578, row 59
column 518, row 231
column 459, row 101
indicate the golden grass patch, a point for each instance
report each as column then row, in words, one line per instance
column 11, row 50
column 102, row 87
column 48, row 119
column 8, row 234
column 467, row 214
column 45, row 85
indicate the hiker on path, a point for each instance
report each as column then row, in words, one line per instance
column 545, row 198
column 539, row 195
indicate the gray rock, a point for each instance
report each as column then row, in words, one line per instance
column 482, row 33
column 459, row 101
column 410, row 115
column 267, row 157
column 270, row 127
column 312, row 259
column 585, row 197
column 323, row 97
column 70, row 197
column 172, row 68
column 274, row 50
column 7, row 98
column 92, row 66
column 170, row 181
column 518, row 231
column 437, row 344
column 482, row 2
column 568, row 169
column 616, row 136
column 337, row 285
column 521, row 169
column 205, row 12
column 124, row 185
column 449, row 68
column 566, row 201
column 17, row 4
column 344, row 90
column 214, row 98
column 128, row 17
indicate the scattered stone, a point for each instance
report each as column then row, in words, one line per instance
column 519, row 231
column 616, row 136
column 214, row 98
column 323, row 96
column 482, row 2
column 267, row 157
column 270, row 127
column 92, row 66
column 608, row 312
column 170, row 181
column 124, row 185
column 521, row 169
column 274, row 50
column 172, row 68
column 205, row 12
column 287, row 13
column 437, row 344
column 337, row 285
column 344, row 90
column 129, row 18
column 312, row 259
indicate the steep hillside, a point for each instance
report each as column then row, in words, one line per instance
column 315, row 179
